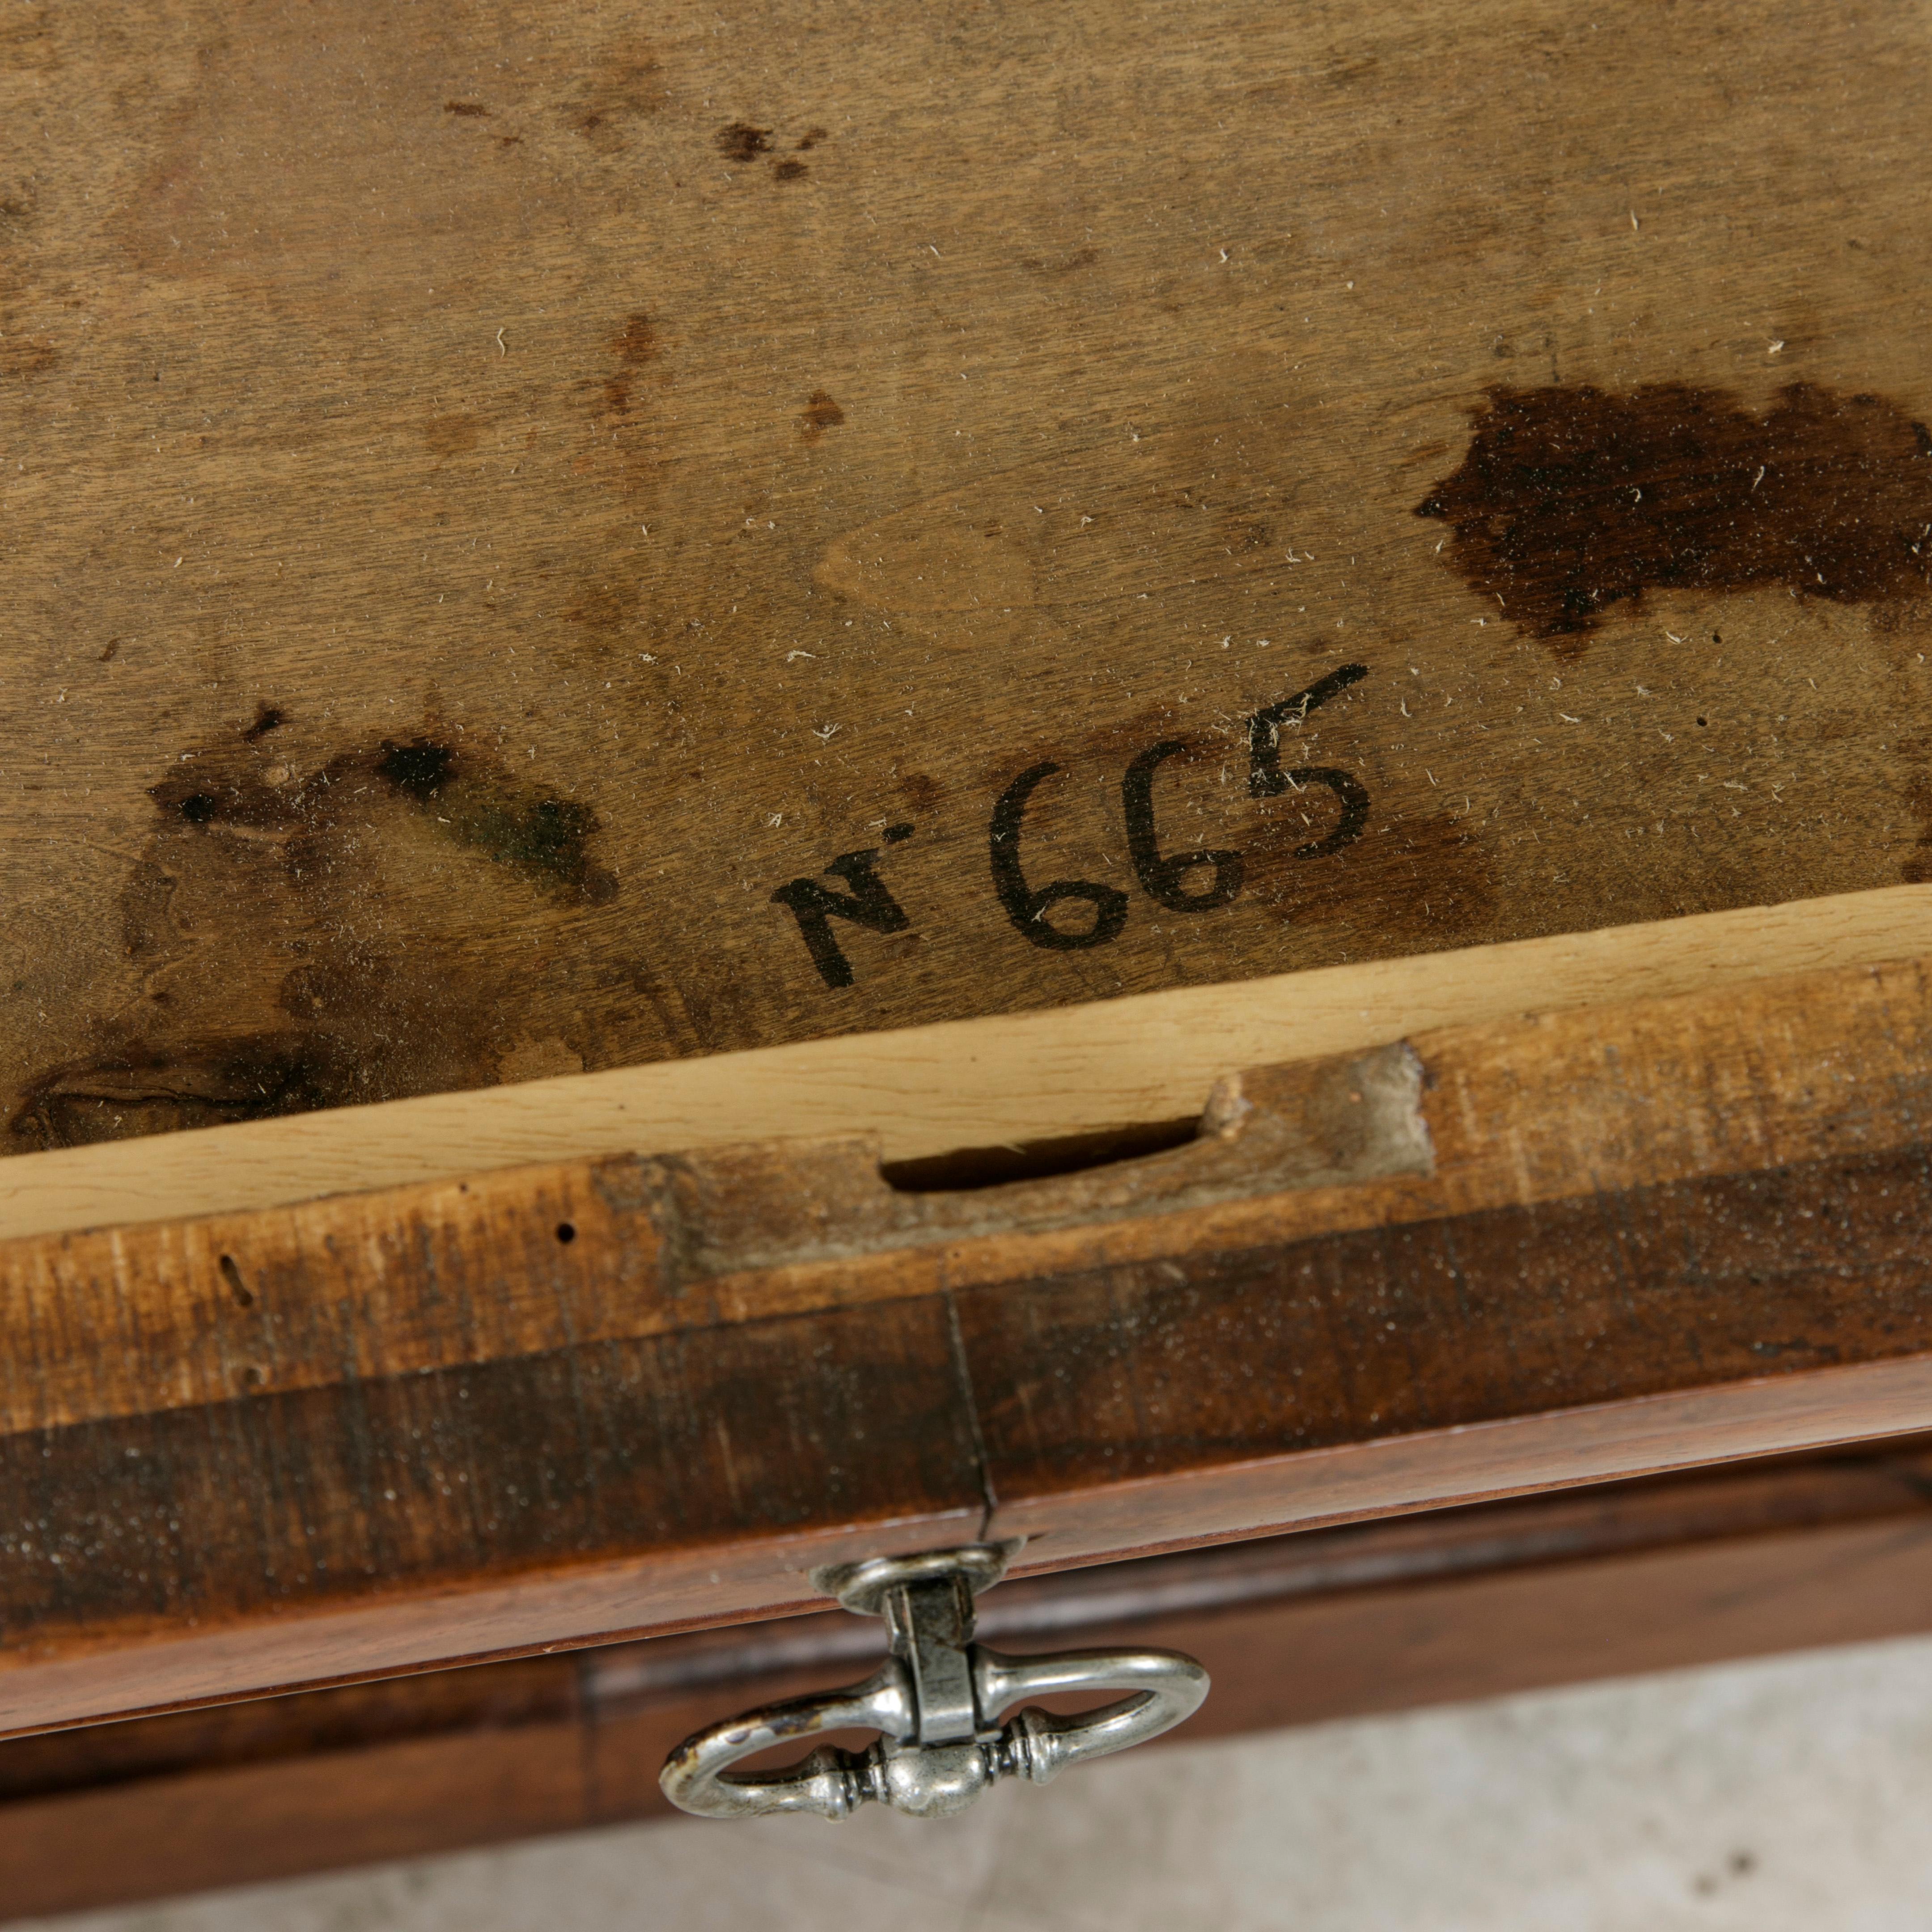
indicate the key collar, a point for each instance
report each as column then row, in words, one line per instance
column 862, row 1588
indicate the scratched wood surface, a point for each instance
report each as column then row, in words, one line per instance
column 1334, row 1623
column 492, row 495
column 364, row 1434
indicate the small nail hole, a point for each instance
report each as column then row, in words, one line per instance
column 565, row 1232
column 237, row 1287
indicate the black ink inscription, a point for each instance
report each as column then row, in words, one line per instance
column 1349, row 793
column 870, row 903
column 1026, row 908
column 1267, row 779
column 1161, row 878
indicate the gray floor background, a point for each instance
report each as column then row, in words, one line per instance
column 1793, row 1794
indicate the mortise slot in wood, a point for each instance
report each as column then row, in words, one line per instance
column 737, row 1211
column 966, row 1170
column 1375, row 1136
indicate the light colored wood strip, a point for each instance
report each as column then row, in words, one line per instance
column 972, row 1083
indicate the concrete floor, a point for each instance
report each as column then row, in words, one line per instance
column 1794, row 1794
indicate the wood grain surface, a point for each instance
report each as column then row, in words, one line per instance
column 360, row 1434
column 506, row 507
column 1330, row 1624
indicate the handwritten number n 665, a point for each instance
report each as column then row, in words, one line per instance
column 869, row 904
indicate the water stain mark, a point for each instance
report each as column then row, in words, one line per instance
column 1419, row 882
column 470, row 110
column 1570, row 501
column 528, row 829
column 921, row 790
column 535, row 832
column 420, row 769
column 788, row 170
column 604, row 606
column 321, row 926
column 159, row 1090
column 636, row 342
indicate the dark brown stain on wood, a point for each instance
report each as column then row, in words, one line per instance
column 1074, row 259
column 528, row 828
column 603, row 606
column 739, row 141
column 451, row 436
column 921, row 790
column 1431, row 878
column 788, row 170
column 1572, row 500
column 636, row 342
column 819, row 415
column 157, row 1089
